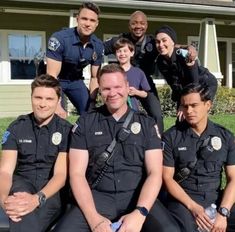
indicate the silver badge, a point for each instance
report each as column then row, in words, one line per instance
column 216, row 143
column 53, row 44
column 56, row 138
column 135, row 128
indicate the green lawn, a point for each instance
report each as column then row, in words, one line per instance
column 227, row 121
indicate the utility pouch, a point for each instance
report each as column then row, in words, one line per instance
column 182, row 174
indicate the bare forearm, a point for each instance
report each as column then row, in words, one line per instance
column 149, row 193
column 229, row 195
column 93, row 87
column 141, row 93
column 54, row 185
column 83, row 196
column 6, row 183
column 178, row 193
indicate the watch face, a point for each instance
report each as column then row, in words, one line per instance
column 41, row 198
column 224, row 211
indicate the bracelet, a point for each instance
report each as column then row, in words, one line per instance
column 97, row 226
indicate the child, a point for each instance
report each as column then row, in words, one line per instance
column 138, row 83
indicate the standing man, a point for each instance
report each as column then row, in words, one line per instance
column 144, row 57
column 115, row 181
column 195, row 152
column 70, row 51
column 33, row 165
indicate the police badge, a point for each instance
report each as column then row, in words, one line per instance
column 216, row 143
column 135, row 128
column 56, row 138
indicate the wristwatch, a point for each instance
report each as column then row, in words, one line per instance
column 143, row 210
column 224, row 212
column 41, row 199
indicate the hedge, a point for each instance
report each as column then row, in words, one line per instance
column 224, row 101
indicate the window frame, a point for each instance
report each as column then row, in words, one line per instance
column 5, row 68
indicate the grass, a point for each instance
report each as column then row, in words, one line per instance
column 227, row 120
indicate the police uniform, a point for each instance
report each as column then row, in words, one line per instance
column 205, row 157
column 65, row 46
column 37, row 148
column 178, row 74
column 144, row 58
column 117, row 192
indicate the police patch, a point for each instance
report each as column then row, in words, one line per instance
column 75, row 127
column 149, row 47
column 5, row 136
column 157, row 131
column 135, row 128
column 56, row 138
column 94, row 56
column 216, row 143
column 53, row 44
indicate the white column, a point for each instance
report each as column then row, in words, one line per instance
column 208, row 48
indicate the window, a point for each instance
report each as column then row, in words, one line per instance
column 22, row 50
column 19, row 54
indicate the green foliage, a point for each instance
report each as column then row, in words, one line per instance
column 223, row 103
column 167, row 105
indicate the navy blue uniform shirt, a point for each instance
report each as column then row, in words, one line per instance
column 37, row 147
column 66, row 46
column 182, row 145
column 95, row 131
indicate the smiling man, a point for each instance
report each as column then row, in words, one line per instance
column 33, row 165
column 195, row 153
column 70, row 51
column 115, row 181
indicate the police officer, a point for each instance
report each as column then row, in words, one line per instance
column 176, row 68
column 144, row 57
column 194, row 155
column 33, row 164
column 70, row 51
column 126, row 189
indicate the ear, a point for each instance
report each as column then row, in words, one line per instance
column 209, row 105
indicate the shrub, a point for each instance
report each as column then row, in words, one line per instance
column 223, row 103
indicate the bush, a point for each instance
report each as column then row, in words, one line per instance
column 223, row 103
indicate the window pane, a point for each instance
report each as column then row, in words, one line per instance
column 16, row 46
column 22, row 69
column 22, row 51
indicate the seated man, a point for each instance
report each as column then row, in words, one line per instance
column 195, row 152
column 116, row 179
column 33, row 164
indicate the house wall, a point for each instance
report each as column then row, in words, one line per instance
column 14, row 100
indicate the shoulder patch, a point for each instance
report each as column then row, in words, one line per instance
column 74, row 127
column 53, row 44
column 5, row 136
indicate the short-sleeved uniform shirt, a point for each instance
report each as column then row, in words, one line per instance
column 38, row 147
column 213, row 149
column 137, row 79
column 66, row 46
column 95, row 131
column 144, row 57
